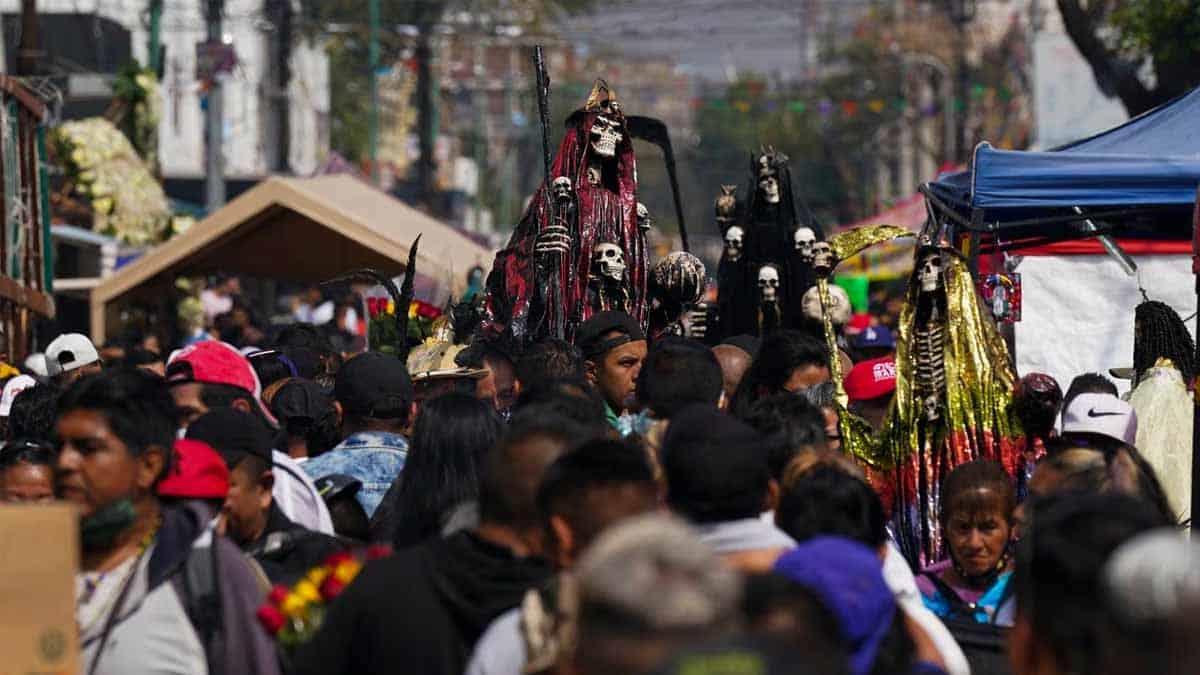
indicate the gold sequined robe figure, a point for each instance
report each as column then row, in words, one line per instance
column 976, row 420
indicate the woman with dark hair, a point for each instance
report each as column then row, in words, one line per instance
column 33, row 413
column 977, row 504
column 441, row 472
column 1164, row 360
column 26, row 472
column 788, row 361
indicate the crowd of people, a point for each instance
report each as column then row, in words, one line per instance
column 611, row 505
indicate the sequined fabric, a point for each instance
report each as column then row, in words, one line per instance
column 976, row 421
column 858, row 439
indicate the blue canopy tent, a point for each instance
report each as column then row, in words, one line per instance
column 1136, row 180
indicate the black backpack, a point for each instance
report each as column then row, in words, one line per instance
column 982, row 643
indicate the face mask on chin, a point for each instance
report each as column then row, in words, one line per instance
column 101, row 529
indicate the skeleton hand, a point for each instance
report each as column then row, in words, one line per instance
column 695, row 322
column 553, row 239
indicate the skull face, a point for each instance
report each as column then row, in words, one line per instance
column 804, row 240
column 839, row 305
column 769, row 187
column 561, row 189
column 929, row 274
column 643, row 218
column 768, row 283
column 734, row 238
column 605, row 135
column 608, row 261
column 822, row 257
column 932, row 407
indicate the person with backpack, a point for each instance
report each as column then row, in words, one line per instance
column 977, row 504
column 158, row 591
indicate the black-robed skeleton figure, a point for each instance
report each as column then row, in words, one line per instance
column 737, row 291
column 768, row 234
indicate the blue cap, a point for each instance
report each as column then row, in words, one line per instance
column 875, row 336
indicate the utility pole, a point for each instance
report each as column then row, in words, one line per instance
column 962, row 12
column 29, row 49
column 154, row 43
column 373, row 65
column 279, row 138
column 214, row 159
column 426, row 114
column 480, row 97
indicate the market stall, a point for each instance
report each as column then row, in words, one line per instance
column 297, row 229
column 1070, row 221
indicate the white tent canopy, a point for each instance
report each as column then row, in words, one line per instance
column 296, row 229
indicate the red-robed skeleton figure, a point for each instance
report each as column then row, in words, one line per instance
column 578, row 249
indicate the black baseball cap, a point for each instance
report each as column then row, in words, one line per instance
column 233, row 434
column 374, row 384
column 299, row 398
column 590, row 337
column 337, row 485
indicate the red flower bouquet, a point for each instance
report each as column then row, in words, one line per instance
column 293, row 615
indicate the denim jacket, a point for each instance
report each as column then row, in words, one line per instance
column 373, row 457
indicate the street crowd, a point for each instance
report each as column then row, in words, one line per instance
column 602, row 506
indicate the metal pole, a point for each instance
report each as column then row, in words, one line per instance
column 280, row 12
column 1195, row 505
column 29, row 52
column 214, row 186
column 154, row 43
column 373, row 65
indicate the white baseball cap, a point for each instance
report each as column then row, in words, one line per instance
column 1102, row 414
column 68, row 352
column 13, row 387
column 36, row 362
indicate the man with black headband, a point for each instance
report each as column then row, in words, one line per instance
column 374, row 397
column 614, row 348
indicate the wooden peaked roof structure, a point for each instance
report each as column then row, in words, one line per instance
column 299, row 229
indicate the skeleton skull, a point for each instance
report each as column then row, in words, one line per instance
column 839, row 305
column 734, row 238
column 804, row 239
column 932, row 407
column 608, row 261
column 643, row 218
column 822, row 257
column 768, row 283
column 929, row 273
column 561, row 188
column 769, row 186
column 606, row 134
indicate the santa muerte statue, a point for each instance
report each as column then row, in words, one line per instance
column 954, row 386
column 579, row 249
column 766, row 265
column 953, row 401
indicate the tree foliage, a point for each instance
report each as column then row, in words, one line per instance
column 1144, row 51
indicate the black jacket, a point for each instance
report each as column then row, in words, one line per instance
column 287, row 551
column 421, row 610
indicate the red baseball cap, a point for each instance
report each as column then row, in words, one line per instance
column 858, row 323
column 198, row 473
column 216, row 362
column 871, row 379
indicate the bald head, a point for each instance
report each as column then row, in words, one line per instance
column 734, row 362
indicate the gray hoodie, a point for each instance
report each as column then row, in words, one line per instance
column 190, row 608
